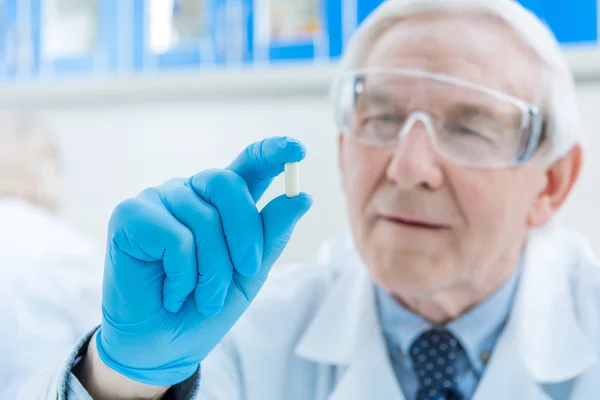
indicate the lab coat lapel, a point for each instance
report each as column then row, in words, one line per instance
column 506, row 376
column 543, row 341
column 369, row 376
column 345, row 332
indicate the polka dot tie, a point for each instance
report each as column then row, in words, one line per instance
column 435, row 355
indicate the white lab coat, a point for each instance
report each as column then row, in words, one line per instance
column 49, row 291
column 313, row 333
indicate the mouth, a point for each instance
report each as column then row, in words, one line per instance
column 413, row 222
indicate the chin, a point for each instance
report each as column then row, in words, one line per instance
column 408, row 273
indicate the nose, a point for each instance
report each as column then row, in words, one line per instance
column 415, row 162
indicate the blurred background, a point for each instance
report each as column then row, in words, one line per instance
column 138, row 91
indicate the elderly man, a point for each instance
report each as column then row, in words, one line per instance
column 458, row 143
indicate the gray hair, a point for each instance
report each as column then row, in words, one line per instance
column 563, row 126
column 29, row 162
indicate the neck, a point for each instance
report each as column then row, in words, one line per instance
column 447, row 304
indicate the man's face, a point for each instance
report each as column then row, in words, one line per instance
column 476, row 219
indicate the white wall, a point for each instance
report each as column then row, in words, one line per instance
column 582, row 209
column 112, row 152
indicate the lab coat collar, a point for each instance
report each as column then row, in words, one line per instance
column 549, row 335
column 542, row 342
column 345, row 321
column 346, row 332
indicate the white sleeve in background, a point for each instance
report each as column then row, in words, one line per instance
column 220, row 373
column 49, row 292
column 66, row 308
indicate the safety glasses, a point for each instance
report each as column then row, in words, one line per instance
column 469, row 124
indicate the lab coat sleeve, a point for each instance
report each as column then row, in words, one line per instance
column 59, row 383
column 221, row 373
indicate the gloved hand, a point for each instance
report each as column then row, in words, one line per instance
column 185, row 260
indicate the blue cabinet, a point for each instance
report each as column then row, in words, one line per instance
column 74, row 37
column 9, row 59
column 297, row 30
column 366, row 7
column 572, row 21
column 175, row 34
column 48, row 38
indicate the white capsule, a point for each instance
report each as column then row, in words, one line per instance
column 292, row 179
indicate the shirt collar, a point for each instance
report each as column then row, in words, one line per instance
column 477, row 330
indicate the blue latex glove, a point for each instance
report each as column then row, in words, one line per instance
column 185, row 260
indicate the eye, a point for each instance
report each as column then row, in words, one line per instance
column 382, row 126
column 388, row 118
column 467, row 131
column 383, row 120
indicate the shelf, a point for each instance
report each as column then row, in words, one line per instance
column 208, row 85
column 585, row 62
column 211, row 85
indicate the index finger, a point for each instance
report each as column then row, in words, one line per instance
column 262, row 161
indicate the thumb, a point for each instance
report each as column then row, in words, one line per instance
column 279, row 219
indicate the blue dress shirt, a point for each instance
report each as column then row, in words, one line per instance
column 477, row 331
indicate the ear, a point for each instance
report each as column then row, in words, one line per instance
column 560, row 178
column 341, row 163
column 340, row 146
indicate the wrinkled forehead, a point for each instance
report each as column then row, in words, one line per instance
column 477, row 48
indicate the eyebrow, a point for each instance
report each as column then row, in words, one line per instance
column 472, row 110
column 374, row 97
column 469, row 110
